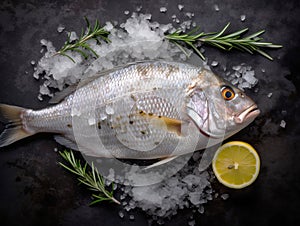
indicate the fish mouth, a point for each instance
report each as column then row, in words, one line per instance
column 248, row 114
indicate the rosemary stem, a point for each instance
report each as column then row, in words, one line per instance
column 250, row 44
column 93, row 180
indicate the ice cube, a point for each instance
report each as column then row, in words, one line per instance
column 180, row 7
column 138, row 8
column 43, row 42
column 243, row 18
column 195, row 197
column 237, row 68
column 246, row 85
column 234, row 81
column 165, row 27
column 60, row 28
column 237, row 74
column 225, row 196
column 282, row 124
column 108, row 26
column 44, row 90
column 214, row 63
column 284, row 112
column 127, row 208
column 73, row 36
column 121, row 214
column 201, row 209
column 163, row 9
column 40, row 97
column 216, row 7
column 249, row 77
column 240, row 87
column 192, row 223
column 189, row 15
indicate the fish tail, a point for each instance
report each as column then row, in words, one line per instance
column 14, row 131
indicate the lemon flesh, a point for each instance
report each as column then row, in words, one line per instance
column 236, row 164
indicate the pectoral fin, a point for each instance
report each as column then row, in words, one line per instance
column 66, row 142
column 161, row 162
column 170, row 124
column 173, row 125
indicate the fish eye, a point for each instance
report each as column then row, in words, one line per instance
column 227, row 93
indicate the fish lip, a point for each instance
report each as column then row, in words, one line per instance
column 250, row 113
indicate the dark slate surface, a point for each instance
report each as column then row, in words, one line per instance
column 34, row 190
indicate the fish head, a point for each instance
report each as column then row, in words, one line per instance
column 219, row 109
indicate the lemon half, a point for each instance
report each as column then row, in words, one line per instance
column 236, row 164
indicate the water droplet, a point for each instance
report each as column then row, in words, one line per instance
column 91, row 121
column 109, row 110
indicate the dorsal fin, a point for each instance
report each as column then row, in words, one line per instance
column 99, row 74
column 59, row 96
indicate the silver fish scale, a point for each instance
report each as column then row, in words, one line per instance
column 133, row 129
column 158, row 88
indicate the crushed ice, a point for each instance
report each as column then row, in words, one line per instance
column 136, row 39
column 242, row 76
column 188, row 188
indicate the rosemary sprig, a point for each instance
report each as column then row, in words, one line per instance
column 252, row 43
column 92, row 32
column 92, row 179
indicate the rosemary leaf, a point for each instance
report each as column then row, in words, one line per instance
column 92, row 179
column 81, row 44
column 250, row 44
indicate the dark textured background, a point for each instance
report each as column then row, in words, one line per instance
column 34, row 190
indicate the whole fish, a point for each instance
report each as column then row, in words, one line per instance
column 142, row 110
